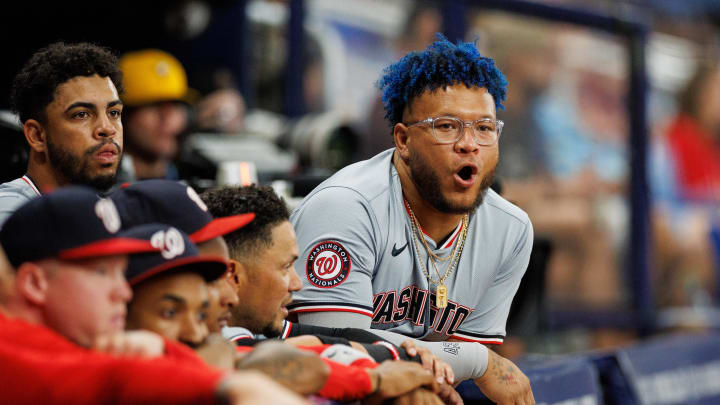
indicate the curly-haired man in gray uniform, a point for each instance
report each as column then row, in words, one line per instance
column 68, row 99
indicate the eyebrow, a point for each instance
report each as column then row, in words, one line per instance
column 292, row 260
column 181, row 301
column 447, row 114
column 91, row 106
column 174, row 298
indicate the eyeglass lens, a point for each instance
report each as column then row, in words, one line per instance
column 449, row 129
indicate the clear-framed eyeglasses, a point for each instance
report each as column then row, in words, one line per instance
column 447, row 130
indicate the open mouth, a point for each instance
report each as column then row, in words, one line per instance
column 466, row 173
column 466, row 176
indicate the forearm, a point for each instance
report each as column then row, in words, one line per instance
column 298, row 371
column 504, row 383
column 468, row 360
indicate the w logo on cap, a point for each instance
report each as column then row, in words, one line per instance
column 170, row 243
column 105, row 210
column 193, row 195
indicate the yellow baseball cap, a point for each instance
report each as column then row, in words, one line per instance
column 152, row 75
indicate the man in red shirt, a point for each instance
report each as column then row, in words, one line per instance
column 694, row 138
column 64, row 292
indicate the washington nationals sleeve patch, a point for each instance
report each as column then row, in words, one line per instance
column 328, row 264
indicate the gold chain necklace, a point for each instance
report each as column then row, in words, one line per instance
column 441, row 291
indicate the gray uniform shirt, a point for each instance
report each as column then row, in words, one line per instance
column 357, row 255
column 15, row 193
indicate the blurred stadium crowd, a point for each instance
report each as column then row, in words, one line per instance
column 221, row 95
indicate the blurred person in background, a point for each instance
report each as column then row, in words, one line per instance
column 68, row 98
column 156, row 114
column 566, row 158
column 687, row 272
column 221, row 108
column 694, row 138
column 222, row 111
column 583, row 133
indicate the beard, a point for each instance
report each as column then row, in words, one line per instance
column 244, row 318
column 427, row 182
column 75, row 169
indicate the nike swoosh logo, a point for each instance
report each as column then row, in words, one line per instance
column 396, row 251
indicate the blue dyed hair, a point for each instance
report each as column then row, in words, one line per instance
column 442, row 64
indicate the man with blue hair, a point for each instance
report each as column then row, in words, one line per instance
column 412, row 242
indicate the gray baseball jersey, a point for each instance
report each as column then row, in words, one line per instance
column 15, row 193
column 357, row 255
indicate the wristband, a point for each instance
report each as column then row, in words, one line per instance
column 346, row 382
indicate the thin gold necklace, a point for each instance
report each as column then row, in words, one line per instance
column 429, row 250
column 441, row 291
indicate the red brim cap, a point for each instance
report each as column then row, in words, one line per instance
column 221, row 226
column 107, row 247
column 209, row 267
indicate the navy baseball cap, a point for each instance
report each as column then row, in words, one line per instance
column 69, row 223
column 176, row 252
column 173, row 203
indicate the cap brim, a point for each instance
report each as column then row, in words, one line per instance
column 209, row 267
column 189, row 98
column 107, row 247
column 221, row 226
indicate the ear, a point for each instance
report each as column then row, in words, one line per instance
column 35, row 135
column 239, row 274
column 400, row 135
column 231, row 273
column 32, row 283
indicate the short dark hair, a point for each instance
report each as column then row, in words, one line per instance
column 35, row 85
column 270, row 211
column 442, row 64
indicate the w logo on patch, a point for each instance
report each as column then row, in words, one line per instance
column 328, row 264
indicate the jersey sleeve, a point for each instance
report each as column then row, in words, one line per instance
column 337, row 233
column 486, row 324
column 9, row 203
